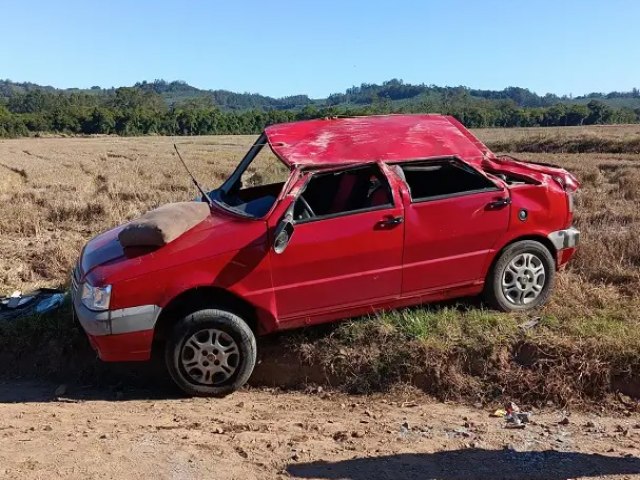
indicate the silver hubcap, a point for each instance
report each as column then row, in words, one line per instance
column 210, row 356
column 523, row 279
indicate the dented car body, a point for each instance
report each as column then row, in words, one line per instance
column 376, row 213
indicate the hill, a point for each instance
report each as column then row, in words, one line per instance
column 177, row 108
column 394, row 91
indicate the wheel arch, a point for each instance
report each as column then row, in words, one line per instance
column 534, row 237
column 197, row 298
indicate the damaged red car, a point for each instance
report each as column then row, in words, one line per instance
column 352, row 215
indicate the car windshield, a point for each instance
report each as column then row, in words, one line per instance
column 254, row 186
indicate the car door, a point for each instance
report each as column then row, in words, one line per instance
column 454, row 215
column 346, row 246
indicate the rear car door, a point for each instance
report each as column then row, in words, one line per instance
column 454, row 216
column 346, row 248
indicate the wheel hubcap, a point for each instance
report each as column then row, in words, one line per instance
column 523, row 279
column 210, row 356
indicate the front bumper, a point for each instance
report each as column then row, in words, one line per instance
column 565, row 242
column 121, row 335
column 125, row 347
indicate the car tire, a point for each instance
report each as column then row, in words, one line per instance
column 515, row 283
column 211, row 353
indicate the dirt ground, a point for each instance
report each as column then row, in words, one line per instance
column 265, row 434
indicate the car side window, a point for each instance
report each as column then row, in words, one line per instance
column 346, row 191
column 442, row 178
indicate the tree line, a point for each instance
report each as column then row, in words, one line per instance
column 141, row 111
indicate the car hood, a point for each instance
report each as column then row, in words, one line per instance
column 104, row 260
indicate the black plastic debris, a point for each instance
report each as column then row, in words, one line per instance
column 37, row 302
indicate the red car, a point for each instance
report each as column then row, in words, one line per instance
column 369, row 213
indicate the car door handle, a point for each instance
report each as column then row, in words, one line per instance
column 391, row 221
column 501, row 202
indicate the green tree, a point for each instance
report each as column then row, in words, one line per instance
column 101, row 120
column 576, row 114
column 599, row 113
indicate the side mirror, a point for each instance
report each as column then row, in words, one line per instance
column 283, row 235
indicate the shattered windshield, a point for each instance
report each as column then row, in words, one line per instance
column 254, row 186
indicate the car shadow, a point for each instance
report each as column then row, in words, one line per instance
column 467, row 464
column 109, row 382
column 42, row 391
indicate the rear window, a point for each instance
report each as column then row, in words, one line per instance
column 443, row 178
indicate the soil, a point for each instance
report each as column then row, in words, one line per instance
column 52, row 431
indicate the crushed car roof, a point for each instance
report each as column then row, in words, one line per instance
column 373, row 138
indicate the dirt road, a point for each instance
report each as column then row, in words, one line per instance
column 263, row 434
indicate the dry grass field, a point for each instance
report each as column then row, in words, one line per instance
column 603, row 132
column 56, row 193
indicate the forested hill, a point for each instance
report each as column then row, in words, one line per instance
column 178, row 108
column 366, row 94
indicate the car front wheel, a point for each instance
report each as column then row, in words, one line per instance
column 522, row 278
column 211, row 352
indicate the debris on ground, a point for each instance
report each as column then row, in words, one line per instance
column 513, row 416
column 530, row 324
column 38, row 302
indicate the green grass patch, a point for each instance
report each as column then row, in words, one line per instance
column 444, row 327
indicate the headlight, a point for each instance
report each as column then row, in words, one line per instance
column 96, row 298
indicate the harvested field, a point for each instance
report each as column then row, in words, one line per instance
column 55, row 193
column 591, row 139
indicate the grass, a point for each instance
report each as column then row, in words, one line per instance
column 447, row 326
column 57, row 193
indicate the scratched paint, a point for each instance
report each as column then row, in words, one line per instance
column 330, row 142
column 382, row 137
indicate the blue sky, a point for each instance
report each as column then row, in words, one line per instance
column 319, row 47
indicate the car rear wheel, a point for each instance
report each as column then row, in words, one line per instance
column 522, row 278
column 211, row 352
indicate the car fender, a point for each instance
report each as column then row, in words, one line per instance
column 244, row 273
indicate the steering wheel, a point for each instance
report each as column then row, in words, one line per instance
column 307, row 210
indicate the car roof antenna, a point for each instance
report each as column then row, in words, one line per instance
column 193, row 179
